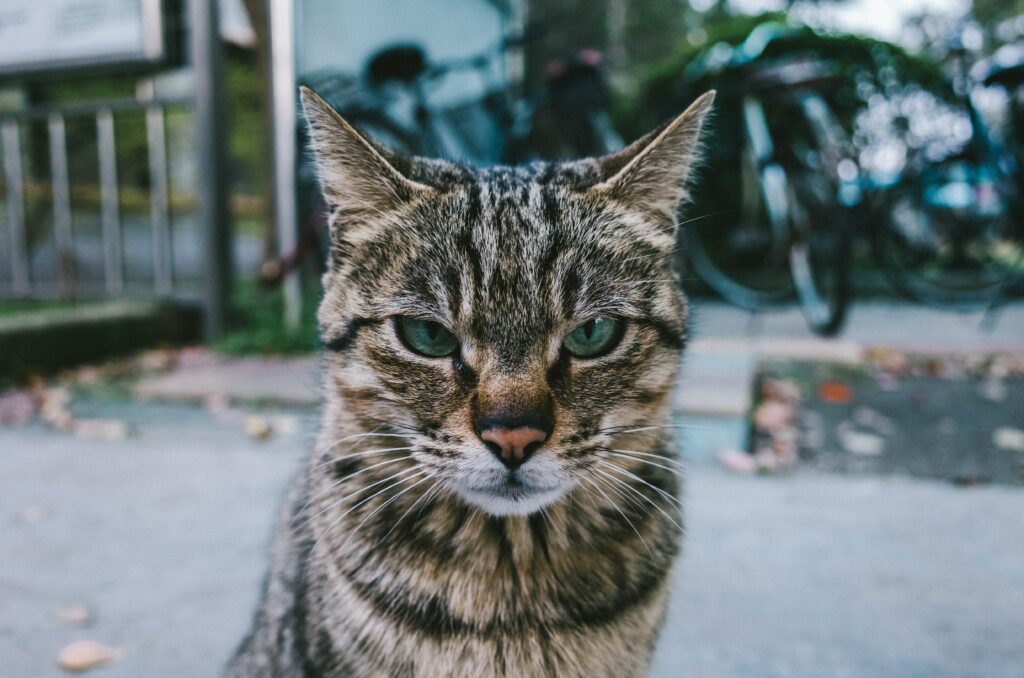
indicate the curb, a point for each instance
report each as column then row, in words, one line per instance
column 39, row 342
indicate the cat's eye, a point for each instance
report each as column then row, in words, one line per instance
column 594, row 338
column 426, row 337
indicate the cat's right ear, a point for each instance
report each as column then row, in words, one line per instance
column 354, row 173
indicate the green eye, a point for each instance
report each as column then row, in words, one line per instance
column 594, row 338
column 425, row 337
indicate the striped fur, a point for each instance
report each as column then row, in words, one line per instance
column 403, row 549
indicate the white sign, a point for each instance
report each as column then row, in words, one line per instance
column 49, row 35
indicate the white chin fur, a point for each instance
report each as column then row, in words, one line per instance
column 523, row 505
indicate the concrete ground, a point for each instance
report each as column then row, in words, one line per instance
column 163, row 537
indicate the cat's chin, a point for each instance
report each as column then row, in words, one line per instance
column 507, row 500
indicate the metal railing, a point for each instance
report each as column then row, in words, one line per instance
column 20, row 282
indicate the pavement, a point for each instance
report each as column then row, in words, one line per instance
column 162, row 535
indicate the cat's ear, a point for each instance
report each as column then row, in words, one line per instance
column 652, row 173
column 355, row 174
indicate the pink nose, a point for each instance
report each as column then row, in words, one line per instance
column 513, row 446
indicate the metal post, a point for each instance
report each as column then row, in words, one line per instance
column 113, row 265
column 211, row 134
column 159, row 190
column 15, row 207
column 283, row 96
column 64, row 239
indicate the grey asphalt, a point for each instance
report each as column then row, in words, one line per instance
column 163, row 536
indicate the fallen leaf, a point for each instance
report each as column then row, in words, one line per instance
column 88, row 375
column 866, row 417
column 75, row 615
column 835, row 392
column 785, row 390
column 1008, row 438
column 258, row 428
column 34, row 514
column 993, row 389
column 83, row 655
column 157, row 360
column 99, row 429
column 859, row 442
column 53, row 407
column 17, row 407
column 773, row 414
column 737, row 461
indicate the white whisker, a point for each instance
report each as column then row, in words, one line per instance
column 644, row 497
column 616, row 507
column 618, row 453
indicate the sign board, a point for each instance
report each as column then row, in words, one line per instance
column 39, row 36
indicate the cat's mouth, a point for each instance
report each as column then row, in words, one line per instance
column 511, row 495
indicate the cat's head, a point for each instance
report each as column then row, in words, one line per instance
column 509, row 323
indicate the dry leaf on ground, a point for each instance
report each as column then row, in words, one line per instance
column 83, row 655
column 17, row 407
column 835, row 392
column 859, row 442
column 99, row 429
column 1008, row 438
column 737, row 461
column 772, row 415
column 78, row 615
column 258, row 428
column 32, row 515
column 993, row 389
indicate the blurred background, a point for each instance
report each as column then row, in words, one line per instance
column 854, row 254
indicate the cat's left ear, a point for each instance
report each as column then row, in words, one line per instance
column 652, row 173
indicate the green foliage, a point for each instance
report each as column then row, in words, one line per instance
column 259, row 323
column 664, row 88
column 246, row 142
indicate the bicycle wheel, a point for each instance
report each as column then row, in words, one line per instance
column 819, row 253
column 737, row 242
column 383, row 131
column 953, row 237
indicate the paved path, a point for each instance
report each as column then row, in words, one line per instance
column 163, row 535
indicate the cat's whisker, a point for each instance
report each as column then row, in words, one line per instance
column 619, row 510
column 437, row 488
column 329, row 459
column 677, row 472
column 333, row 505
column 355, row 455
column 661, row 457
column 618, row 430
column 334, row 485
column 591, row 497
column 644, row 497
column 634, row 476
column 387, row 503
column 660, row 253
column 409, row 510
column 359, row 436
column 395, row 424
column 337, row 521
column 632, row 502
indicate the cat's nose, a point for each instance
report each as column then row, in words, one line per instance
column 513, row 446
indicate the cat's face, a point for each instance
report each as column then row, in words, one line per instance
column 507, row 323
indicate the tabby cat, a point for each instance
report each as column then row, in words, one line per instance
column 494, row 490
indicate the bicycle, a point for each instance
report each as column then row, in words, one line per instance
column 791, row 230
column 938, row 227
column 392, row 104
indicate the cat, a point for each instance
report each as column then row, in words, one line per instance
column 493, row 491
